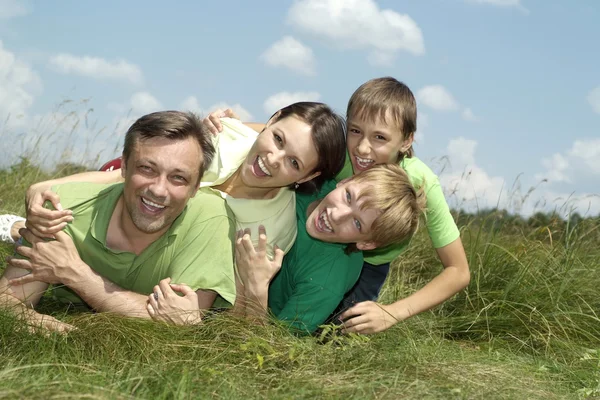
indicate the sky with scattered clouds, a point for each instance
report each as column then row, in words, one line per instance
column 508, row 91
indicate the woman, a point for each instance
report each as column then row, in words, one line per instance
column 301, row 146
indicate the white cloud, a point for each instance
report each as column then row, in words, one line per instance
column 97, row 68
column 19, row 84
column 556, row 169
column 594, row 99
column 438, row 98
column 588, row 151
column 359, row 24
column 191, row 103
column 581, row 161
column 462, row 152
column 282, row 99
column 290, row 53
column 468, row 115
column 14, row 8
column 502, row 3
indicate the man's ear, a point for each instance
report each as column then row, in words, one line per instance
column 308, row 178
column 362, row 246
column 123, row 166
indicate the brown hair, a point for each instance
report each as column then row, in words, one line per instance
column 172, row 125
column 382, row 98
column 389, row 190
column 327, row 129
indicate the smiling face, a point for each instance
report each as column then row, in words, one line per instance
column 161, row 175
column 374, row 142
column 338, row 218
column 283, row 154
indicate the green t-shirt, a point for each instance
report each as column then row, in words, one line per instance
column 314, row 276
column 187, row 252
column 440, row 224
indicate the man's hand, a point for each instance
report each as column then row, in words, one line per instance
column 37, row 322
column 49, row 261
column 368, row 317
column 42, row 222
column 254, row 267
column 213, row 123
column 164, row 304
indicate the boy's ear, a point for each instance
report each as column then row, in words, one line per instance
column 369, row 245
column 343, row 181
column 407, row 143
column 123, row 166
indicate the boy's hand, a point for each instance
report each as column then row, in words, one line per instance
column 213, row 123
column 254, row 266
column 368, row 317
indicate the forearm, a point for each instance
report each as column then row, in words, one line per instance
column 449, row 282
column 89, row 177
column 104, row 295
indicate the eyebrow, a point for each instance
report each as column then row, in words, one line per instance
column 282, row 134
column 175, row 171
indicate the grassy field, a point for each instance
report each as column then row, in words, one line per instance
column 527, row 327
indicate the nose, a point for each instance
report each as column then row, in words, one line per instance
column 159, row 187
column 340, row 213
column 275, row 158
column 364, row 147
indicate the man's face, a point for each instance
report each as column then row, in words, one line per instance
column 161, row 175
column 339, row 219
column 372, row 143
column 284, row 153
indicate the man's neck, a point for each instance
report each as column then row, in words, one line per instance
column 123, row 235
column 235, row 187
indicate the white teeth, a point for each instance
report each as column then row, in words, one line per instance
column 325, row 220
column 364, row 162
column 262, row 167
column 148, row 202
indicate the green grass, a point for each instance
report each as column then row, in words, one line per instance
column 526, row 327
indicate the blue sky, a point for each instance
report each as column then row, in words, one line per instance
column 507, row 89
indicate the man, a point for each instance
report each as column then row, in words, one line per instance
column 126, row 237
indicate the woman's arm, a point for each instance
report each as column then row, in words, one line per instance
column 44, row 222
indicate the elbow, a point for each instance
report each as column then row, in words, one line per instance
column 464, row 277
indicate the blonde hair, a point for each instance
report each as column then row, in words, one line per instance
column 388, row 189
column 386, row 98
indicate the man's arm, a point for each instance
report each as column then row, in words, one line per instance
column 57, row 262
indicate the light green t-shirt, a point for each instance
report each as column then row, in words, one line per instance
column 314, row 275
column 277, row 215
column 440, row 224
column 186, row 252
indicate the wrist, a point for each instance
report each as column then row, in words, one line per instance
column 78, row 273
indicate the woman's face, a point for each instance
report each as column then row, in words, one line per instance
column 283, row 154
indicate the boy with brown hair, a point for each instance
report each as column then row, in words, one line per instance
column 381, row 122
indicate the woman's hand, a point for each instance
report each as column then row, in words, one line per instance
column 254, row 267
column 41, row 221
column 213, row 123
column 164, row 304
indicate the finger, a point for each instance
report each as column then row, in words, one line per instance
column 25, row 251
column 351, row 312
column 29, row 236
column 18, row 262
column 150, row 310
column 44, row 232
column 182, row 288
column 22, row 280
column 362, row 329
column 164, row 287
column 230, row 113
column 53, row 198
column 248, row 246
column 62, row 237
column 152, row 301
column 159, row 294
column 278, row 259
column 44, row 215
column 262, row 239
